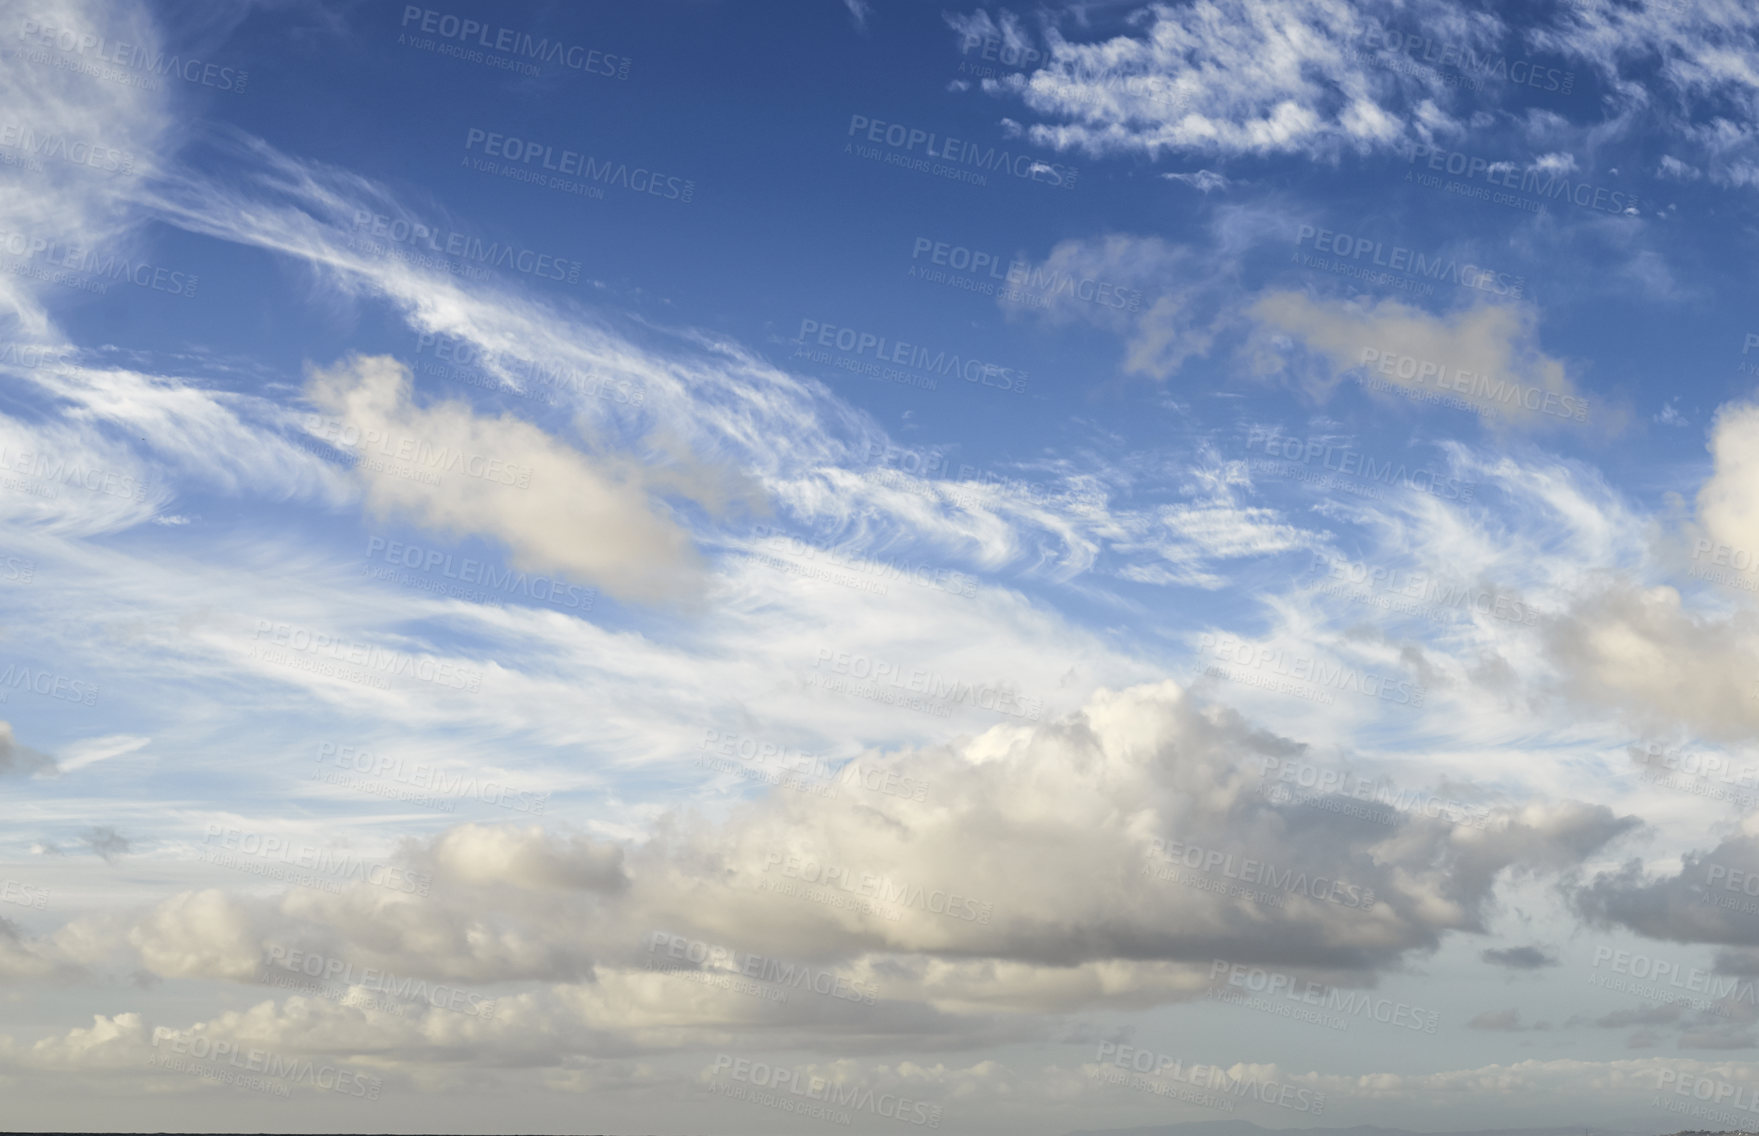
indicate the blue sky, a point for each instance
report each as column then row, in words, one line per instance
column 937, row 550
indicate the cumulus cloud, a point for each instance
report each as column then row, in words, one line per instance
column 1487, row 357
column 1038, row 875
column 1705, row 901
column 557, row 508
column 1728, row 502
column 205, row 933
column 527, row 858
column 1642, row 653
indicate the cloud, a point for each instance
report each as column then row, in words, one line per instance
column 54, row 203
column 1641, row 653
column 1487, row 357
column 1202, row 180
column 1167, row 301
column 28, row 959
column 205, row 934
column 105, row 841
column 775, row 436
column 93, row 750
column 1728, row 502
column 860, row 11
column 1662, row 659
column 1508, row 1020
column 1055, row 910
column 1683, row 906
column 1669, row 1014
column 1684, row 71
column 1672, row 167
column 1520, row 958
column 1670, row 415
column 1232, row 78
column 557, row 508
column 528, row 858
column 20, row 760
column 1045, row 832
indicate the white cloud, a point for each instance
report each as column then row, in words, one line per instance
column 1230, row 78
column 1202, row 180
column 1487, row 357
column 556, row 508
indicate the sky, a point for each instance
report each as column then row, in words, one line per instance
column 693, row 567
